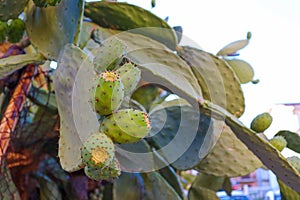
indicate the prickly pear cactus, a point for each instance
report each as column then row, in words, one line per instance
column 261, row 122
column 130, row 76
column 107, row 93
column 126, row 126
column 11, row 9
column 97, row 151
column 16, row 30
column 278, row 142
column 109, row 172
column 295, row 162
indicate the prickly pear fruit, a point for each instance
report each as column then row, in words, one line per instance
column 278, row 142
column 295, row 162
column 126, row 126
column 45, row 3
column 261, row 122
column 97, row 151
column 109, row 172
column 130, row 76
column 16, row 30
column 107, row 93
column 3, row 31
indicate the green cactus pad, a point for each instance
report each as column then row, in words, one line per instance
column 295, row 162
column 242, row 69
column 229, row 157
column 145, row 95
column 235, row 46
column 3, row 31
column 10, row 64
column 16, row 30
column 292, row 138
column 108, row 55
column 45, row 3
column 130, row 76
column 278, row 142
column 107, row 173
column 261, row 122
column 72, row 131
column 198, row 192
column 182, row 135
column 287, row 192
column 126, row 126
column 11, row 9
column 97, row 151
column 218, row 81
column 123, row 16
column 270, row 156
column 107, row 93
column 49, row 38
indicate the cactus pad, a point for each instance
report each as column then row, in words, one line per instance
column 278, row 142
column 126, row 126
column 49, row 38
column 292, row 138
column 124, row 16
column 107, row 93
column 97, row 151
column 45, row 3
column 295, row 162
column 235, row 46
column 130, row 76
column 242, row 69
column 261, row 122
column 11, row 9
column 229, row 157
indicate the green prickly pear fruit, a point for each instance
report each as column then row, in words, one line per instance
column 45, row 3
column 295, row 162
column 107, row 173
column 107, row 93
column 97, row 151
column 3, row 31
column 130, row 76
column 261, row 122
column 126, row 126
column 278, row 142
column 16, row 29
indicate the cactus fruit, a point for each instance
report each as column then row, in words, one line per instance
column 295, row 162
column 97, row 151
column 130, row 76
column 261, row 122
column 126, row 126
column 45, row 3
column 15, row 30
column 3, row 31
column 278, row 142
column 107, row 93
column 109, row 172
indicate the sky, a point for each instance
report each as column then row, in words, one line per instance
column 273, row 51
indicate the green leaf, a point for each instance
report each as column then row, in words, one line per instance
column 182, row 135
column 10, row 64
column 156, row 187
column 129, row 186
column 229, row 157
column 218, row 81
column 123, row 16
column 8, row 190
column 51, row 28
column 270, row 156
column 293, row 139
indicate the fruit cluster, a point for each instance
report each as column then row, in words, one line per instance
column 118, row 125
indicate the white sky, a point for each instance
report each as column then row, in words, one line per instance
column 273, row 51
